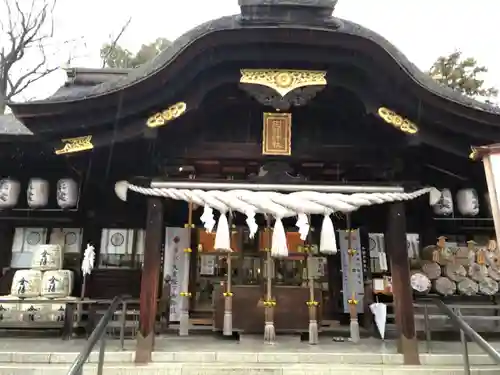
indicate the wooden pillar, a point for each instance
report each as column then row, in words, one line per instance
column 400, row 270
column 150, row 280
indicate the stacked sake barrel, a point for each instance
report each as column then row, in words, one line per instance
column 462, row 270
column 46, row 280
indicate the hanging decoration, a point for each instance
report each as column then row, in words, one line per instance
column 269, row 302
column 353, row 300
column 67, row 193
column 277, row 134
column 468, row 202
column 38, row 193
column 444, row 206
column 271, row 203
column 185, row 294
column 312, row 304
column 78, row 144
column 228, row 294
column 9, row 192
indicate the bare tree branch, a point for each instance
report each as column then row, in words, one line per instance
column 115, row 41
column 25, row 34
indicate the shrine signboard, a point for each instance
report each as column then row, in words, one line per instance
column 277, row 134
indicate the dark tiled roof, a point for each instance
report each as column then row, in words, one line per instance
column 119, row 81
column 9, row 125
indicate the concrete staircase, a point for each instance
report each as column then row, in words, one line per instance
column 310, row 361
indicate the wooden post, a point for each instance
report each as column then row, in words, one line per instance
column 403, row 297
column 150, row 280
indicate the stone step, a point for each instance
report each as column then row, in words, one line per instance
column 237, row 357
column 246, row 369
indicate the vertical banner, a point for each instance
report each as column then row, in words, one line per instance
column 352, row 278
column 176, row 240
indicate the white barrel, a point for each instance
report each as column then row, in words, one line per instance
column 47, row 257
column 58, row 309
column 26, row 284
column 38, row 193
column 57, row 283
column 67, row 193
column 9, row 192
column 35, row 312
column 444, row 206
column 468, row 202
column 9, row 311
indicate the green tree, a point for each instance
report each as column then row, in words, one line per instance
column 115, row 56
column 462, row 74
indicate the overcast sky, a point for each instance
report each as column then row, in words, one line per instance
column 422, row 29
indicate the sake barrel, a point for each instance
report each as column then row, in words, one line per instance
column 494, row 273
column 38, row 193
column 57, row 283
column 35, row 312
column 9, row 311
column 47, row 257
column 444, row 206
column 420, row 283
column 467, row 287
column 9, row 192
column 488, row 286
column 58, row 309
column 67, row 193
column 26, row 283
column 444, row 286
column 468, row 202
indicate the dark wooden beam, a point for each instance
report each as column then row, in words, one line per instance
column 400, row 271
column 150, row 280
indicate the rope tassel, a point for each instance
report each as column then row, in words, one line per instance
column 222, row 236
column 279, row 247
column 328, row 242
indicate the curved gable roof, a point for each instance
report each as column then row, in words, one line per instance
column 237, row 22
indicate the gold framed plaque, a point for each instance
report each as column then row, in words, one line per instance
column 277, row 134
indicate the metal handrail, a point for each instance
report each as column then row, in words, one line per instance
column 97, row 334
column 466, row 330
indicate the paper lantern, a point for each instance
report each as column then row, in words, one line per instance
column 38, row 193
column 9, row 192
column 468, row 202
column 57, row 284
column 67, row 193
column 444, row 206
column 47, row 257
column 26, row 284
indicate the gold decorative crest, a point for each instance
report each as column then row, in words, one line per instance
column 283, row 81
column 399, row 122
column 78, row 144
column 277, row 134
column 170, row 114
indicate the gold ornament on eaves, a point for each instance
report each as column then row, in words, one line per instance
column 171, row 113
column 283, row 81
column 77, row 144
column 399, row 122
